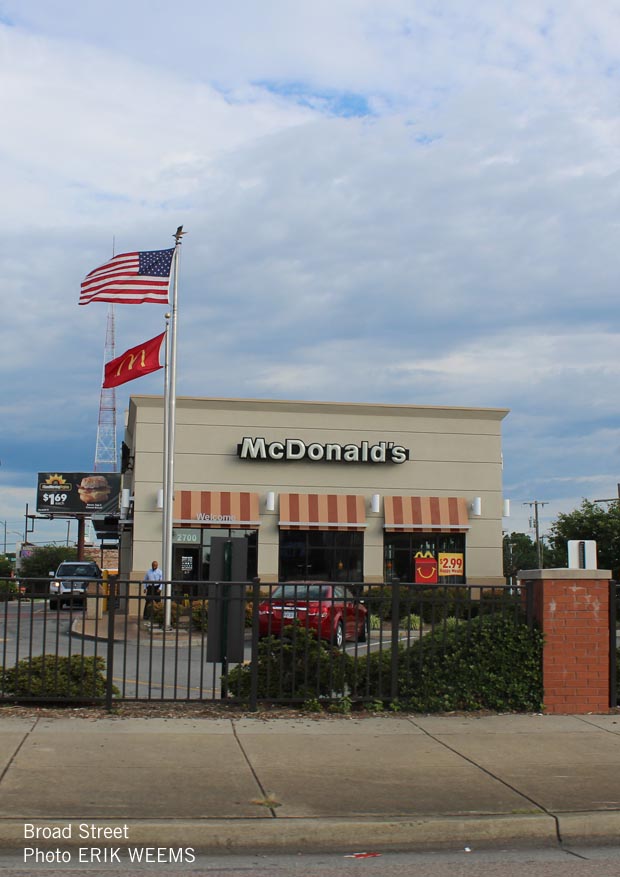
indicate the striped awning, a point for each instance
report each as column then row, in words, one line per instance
column 441, row 514
column 211, row 508
column 317, row 511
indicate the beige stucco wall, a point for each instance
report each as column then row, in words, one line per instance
column 453, row 452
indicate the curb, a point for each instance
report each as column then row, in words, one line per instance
column 320, row 835
column 589, row 827
column 301, row 835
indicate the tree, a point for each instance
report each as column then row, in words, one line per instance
column 5, row 565
column 520, row 553
column 590, row 521
column 45, row 559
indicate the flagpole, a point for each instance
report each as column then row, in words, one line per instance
column 169, row 433
column 164, row 541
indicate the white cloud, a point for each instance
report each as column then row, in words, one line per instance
column 457, row 245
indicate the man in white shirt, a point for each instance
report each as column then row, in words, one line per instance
column 152, row 588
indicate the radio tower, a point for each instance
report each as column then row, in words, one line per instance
column 106, row 456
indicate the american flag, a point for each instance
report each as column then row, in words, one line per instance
column 130, row 279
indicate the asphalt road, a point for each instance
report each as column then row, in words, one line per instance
column 465, row 862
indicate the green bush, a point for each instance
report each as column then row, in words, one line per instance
column 411, row 622
column 56, row 676
column 158, row 613
column 295, row 665
column 499, row 601
column 5, row 565
column 200, row 614
column 8, row 589
column 197, row 614
column 436, row 604
column 486, row 663
column 379, row 602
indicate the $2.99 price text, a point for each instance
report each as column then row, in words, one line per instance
column 450, row 564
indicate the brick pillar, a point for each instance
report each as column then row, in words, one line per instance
column 571, row 606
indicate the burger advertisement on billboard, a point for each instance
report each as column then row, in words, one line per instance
column 78, row 493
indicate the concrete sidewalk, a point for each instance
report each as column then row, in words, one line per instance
column 342, row 783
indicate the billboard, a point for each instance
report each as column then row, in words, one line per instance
column 78, row 493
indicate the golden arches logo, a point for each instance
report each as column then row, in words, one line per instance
column 131, row 358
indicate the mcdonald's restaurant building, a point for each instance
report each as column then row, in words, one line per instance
column 317, row 491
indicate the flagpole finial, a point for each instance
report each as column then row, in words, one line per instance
column 179, row 234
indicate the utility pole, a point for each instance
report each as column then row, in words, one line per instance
column 613, row 499
column 536, row 503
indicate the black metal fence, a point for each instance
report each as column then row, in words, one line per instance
column 330, row 643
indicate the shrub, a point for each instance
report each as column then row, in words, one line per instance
column 249, row 613
column 177, row 611
column 200, row 614
column 441, row 602
column 411, row 622
column 295, row 665
column 56, row 676
column 379, row 602
column 499, row 601
column 486, row 663
column 8, row 589
column 436, row 603
column 5, row 565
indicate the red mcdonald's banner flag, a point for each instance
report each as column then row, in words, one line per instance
column 134, row 363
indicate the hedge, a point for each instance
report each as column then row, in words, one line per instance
column 295, row 666
column 57, row 677
column 488, row 662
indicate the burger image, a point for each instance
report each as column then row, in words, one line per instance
column 94, row 488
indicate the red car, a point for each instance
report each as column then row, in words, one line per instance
column 331, row 611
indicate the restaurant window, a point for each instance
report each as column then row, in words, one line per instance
column 321, row 555
column 195, row 558
column 425, row 558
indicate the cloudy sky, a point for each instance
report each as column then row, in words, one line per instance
column 412, row 201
